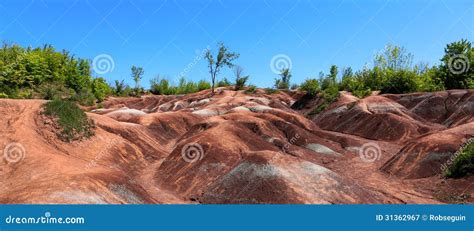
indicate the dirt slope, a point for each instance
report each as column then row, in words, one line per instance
column 240, row 148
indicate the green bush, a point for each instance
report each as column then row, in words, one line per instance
column 50, row 91
column 271, row 91
column 25, row 72
column 224, row 83
column 85, row 97
column 284, row 81
column 318, row 109
column 100, row 89
column 251, row 89
column 330, row 94
column 163, row 87
column 361, row 93
column 399, row 82
column 121, row 89
column 311, row 86
column 158, row 87
column 463, row 165
column 73, row 121
column 203, row 85
column 240, row 82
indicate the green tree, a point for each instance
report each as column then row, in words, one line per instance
column 284, row 81
column 224, row 58
column 137, row 75
column 457, row 68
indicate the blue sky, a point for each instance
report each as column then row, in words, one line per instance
column 166, row 37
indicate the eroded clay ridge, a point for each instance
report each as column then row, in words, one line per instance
column 242, row 148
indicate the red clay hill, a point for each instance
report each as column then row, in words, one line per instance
column 237, row 147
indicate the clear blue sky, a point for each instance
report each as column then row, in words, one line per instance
column 164, row 36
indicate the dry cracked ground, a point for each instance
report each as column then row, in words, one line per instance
column 242, row 148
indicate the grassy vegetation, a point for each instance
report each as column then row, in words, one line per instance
column 46, row 73
column 318, row 109
column 452, row 197
column 271, row 91
column 251, row 89
column 73, row 121
column 463, row 165
column 163, row 87
column 311, row 86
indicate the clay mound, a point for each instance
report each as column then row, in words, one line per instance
column 224, row 141
column 269, row 177
column 100, row 170
column 428, row 155
column 233, row 147
column 374, row 117
column 449, row 108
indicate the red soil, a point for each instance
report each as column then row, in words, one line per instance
column 242, row 148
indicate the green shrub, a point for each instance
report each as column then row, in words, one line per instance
column 73, row 121
column 271, row 91
column 120, row 88
column 224, row 83
column 463, row 165
column 26, row 72
column 361, row 93
column 24, row 94
column 311, row 86
column 251, row 89
column 163, row 87
column 399, row 82
column 158, row 87
column 330, row 94
column 100, row 89
column 203, row 85
column 51, row 91
column 284, row 81
column 3, row 95
column 240, row 82
column 294, row 86
column 85, row 97
column 318, row 109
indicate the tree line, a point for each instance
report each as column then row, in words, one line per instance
column 46, row 73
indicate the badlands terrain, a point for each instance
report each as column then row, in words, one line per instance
column 237, row 147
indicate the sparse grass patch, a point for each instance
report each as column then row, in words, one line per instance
column 251, row 89
column 73, row 121
column 452, row 197
column 318, row 109
column 463, row 165
column 271, row 91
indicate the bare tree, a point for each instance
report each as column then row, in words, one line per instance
column 239, row 79
column 238, row 70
